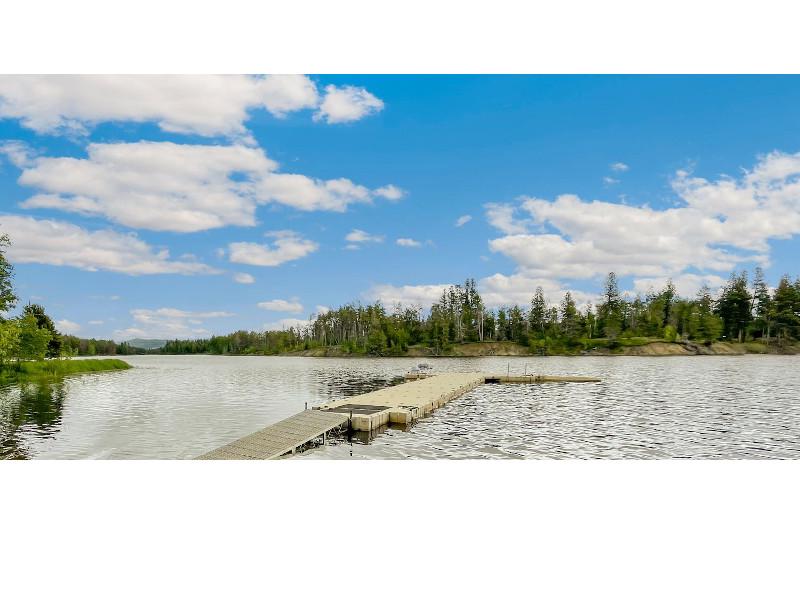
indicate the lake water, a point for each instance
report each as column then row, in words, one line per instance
column 645, row 407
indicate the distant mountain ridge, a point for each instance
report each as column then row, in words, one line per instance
column 147, row 344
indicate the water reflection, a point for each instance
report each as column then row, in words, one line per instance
column 29, row 409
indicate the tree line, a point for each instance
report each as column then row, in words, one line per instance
column 744, row 309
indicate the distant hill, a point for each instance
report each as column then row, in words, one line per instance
column 147, row 344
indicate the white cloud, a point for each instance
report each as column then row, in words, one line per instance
column 153, row 185
column 686, row 285
column 287, row 246
column 347, row 103
column 284, row 324
column 407, row 294
column 619, row 167
column 321, row 310
column 390, row 192
column 463, row 219
column 95, row 322
column 282, row 306
column 168, row 323
column 502, row 290
column 243, row 278
column 305, row 193
column 64, row 244
column 360, row 237
column 352, row 247
column 207, row 105
column 610, row 180
column 714, row 227
column 503, row 216
column 164, row 186
column 69, row 327
column 408, row 242
column 17, row 153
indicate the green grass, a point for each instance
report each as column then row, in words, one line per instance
column 46, row 369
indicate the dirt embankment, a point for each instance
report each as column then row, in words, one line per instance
column 683, row 349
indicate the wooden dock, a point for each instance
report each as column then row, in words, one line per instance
column 402, row 404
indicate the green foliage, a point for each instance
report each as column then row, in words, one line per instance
column 33, row 340
column 9, row 340
column 44, row 322
column 8, row 299
column 376, row 342
column 670, row 334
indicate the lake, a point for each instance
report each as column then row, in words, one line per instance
column 177, row 407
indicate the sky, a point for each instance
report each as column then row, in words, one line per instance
column 186, row 206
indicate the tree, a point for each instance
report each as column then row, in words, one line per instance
column 569, row 316
column 33, row 341
column 538, row 314
column 8, row 299
column 787, row 309
column 610, row 311
column 376, row 342
column 761, row 306
column 669, row 299
column 9, row 340
column 734, row 306
column 45, row 322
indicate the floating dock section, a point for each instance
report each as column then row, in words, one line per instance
column 401, row 404
column 284, row 437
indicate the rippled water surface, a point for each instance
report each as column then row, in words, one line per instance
column 645, row 407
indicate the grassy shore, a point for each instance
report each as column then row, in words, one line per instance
column 53, row 369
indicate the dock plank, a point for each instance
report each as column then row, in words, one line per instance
column 280, row 438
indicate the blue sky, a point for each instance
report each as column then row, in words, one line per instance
column 186, row 206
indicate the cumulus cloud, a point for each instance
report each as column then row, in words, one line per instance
column 282, row 306
column 164, row 186
column 463, row 219
column 686, row 285
column 168, row 323
column 305, row 193
column 408, row 242
column 288, row 245
column 619, row 167
column 390, row 192
column 64, row 244
column 243, row 278
column 359, row 237
column 407, row 294
column 347, row 103
column 17, row 153
column 610, row 180
column 69, row 327
column 206, row 105
column 502, row 290
column 284, row 324
column 715, row 226
column 504, row 217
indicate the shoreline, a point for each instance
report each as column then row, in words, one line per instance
column 510, row 349
column 48, row 370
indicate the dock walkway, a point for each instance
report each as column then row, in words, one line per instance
column 281, row 438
